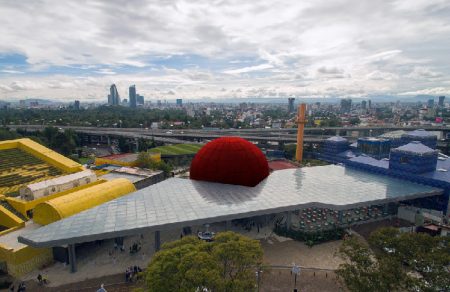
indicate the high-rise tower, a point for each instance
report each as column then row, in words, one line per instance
column 114, row 98
column 291, row 101
column 133, row 98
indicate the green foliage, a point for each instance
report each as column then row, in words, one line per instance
column 290, row 149
column 354, row 121
column 396, row 262
column 64, row 142
column 178, row 149
column 310, row 238
column 364, row 272
column 189, row 264
column 6, row 134
column 144, row 160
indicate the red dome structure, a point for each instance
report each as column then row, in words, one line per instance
column 230, row 160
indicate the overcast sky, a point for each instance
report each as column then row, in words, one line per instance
column 70, row 50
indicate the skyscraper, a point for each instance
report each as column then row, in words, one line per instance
column 179, row 102
column 140, row 99
column 76, row 105
column 291, row 101
column 133, row 98
column 346, row 105
column 115, row 98
column 441, row 101
column 364, row 104
column 430, row 103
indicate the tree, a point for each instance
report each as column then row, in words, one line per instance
column 364, row 272
column 145, row 160
column 189, row 264
column 396, row 261
column 427, row 257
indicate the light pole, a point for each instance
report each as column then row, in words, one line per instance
column 258, row 278
column 296, row 271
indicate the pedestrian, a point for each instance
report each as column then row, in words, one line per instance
column 102, row 288
column 22, row 287
column 11, row 288
column 127, row 275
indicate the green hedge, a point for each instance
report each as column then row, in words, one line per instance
column 310, row 238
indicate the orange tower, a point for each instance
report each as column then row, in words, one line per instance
column 300, row 129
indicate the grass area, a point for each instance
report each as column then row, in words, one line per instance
column 178, row 149
column 85, row 160
column 313, row 162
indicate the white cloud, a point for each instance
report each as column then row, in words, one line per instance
column 302, row 47
column 429, row 91
column 378, row 75
column 11, row 71
column 424, row 72
column 248, row 69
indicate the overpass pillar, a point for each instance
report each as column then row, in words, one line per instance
column 109, row 140
column 228, row 225
column 157, row 240
column 338, row 132
column 288, row 219
column 136, row 140
column 72, row 258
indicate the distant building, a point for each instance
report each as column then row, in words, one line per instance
column 364, row 104
column 179, row 102
column 291, row 101
column 346, row 105
column 77, row 104
column 441, row 101
column 132, row 96
column 114, row 98
column 158, row 103
column 140, row 99
column 430, row 103
column 370, row 104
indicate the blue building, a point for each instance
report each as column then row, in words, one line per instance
column 374, row 147
column 424, row 137
column 414, row 161
column 413, row 158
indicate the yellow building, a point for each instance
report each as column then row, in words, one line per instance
column 68, row 205
column 24, row 162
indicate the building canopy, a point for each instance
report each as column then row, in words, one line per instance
column 176, row 202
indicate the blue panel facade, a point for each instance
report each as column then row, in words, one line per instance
column 374, row 147
column 424, row 137
column 335, row 145
column 411, row 162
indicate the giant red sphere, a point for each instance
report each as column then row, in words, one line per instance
column 230, row 160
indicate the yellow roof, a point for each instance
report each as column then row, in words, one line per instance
column 65, row 206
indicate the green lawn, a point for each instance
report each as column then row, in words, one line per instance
column 178, row 149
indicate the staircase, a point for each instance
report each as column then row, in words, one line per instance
column 12, row 210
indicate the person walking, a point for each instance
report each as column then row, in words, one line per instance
column 102, row 288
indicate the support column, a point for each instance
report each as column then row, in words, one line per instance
column 72, row 258
column 157, row 240
column 228, row 225
column 136, row 140
column 288, row 219
column 340, row 215
column 109, row 140
column 385, row 208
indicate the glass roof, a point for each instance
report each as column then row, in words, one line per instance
column 177, row 202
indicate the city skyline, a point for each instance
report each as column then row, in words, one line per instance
column 223, row 49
